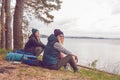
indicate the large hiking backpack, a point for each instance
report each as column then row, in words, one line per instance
column 32, row 62
column 18, row 55
column 26, row 58
column 11, row 56
column 22, row 52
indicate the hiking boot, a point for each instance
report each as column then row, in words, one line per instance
column 67, row 67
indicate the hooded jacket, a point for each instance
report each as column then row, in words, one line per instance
column 32, row 44
column 50, row 56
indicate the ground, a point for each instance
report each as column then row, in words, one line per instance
column 10, row 71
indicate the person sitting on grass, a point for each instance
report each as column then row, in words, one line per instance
column 34, row 45
column 52, row 52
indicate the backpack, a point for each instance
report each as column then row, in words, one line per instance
column 32, row 62
column 32, row 57
column 26, row 58
column 27, row 55
column 15, row 56
column 11, row 56
column 22, row 52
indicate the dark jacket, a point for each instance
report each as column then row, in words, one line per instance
column 51, row 54
column 32, row 44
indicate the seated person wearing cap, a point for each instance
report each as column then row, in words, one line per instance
column 52, row 52
column 34, row 45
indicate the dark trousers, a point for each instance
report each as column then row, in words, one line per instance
column 68, row 59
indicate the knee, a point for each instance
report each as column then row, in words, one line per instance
column 70, row 56
column 38, row 49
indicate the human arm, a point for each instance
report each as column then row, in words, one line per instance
column 60, row 48
column 34, row 42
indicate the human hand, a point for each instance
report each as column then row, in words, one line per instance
column 76, row 58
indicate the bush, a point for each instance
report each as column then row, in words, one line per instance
column 93, row 64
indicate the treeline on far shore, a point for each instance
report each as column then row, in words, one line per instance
column 82, row 37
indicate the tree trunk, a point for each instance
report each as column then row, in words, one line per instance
column 8, row 25
column 17, row 24
column 2, row 24
column 0, row 33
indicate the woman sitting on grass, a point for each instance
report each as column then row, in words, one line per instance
column 34, row 45
column 52, row 52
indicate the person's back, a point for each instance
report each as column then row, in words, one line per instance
column 30, row 43
column 50, row 55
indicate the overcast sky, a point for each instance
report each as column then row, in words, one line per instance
column 85, row 18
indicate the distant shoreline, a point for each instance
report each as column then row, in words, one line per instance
column 84, row 37
column 92, row 38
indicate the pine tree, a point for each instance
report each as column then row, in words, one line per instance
column 17, row 24
column 8, row 25
column 39, row 8
column 3, row 41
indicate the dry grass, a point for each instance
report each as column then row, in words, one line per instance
column 10, row 71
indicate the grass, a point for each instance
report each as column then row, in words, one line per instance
column 95, row 75
column 50, row 74
column 3, row 51
column 38, row 73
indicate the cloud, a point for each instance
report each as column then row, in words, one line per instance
column 86, row 17
column 116, row 7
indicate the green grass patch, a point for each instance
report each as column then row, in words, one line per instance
column 3, row 51
column 95, row 75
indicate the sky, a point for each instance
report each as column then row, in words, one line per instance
column 95, row 18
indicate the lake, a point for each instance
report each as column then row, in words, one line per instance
column 106, row 51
